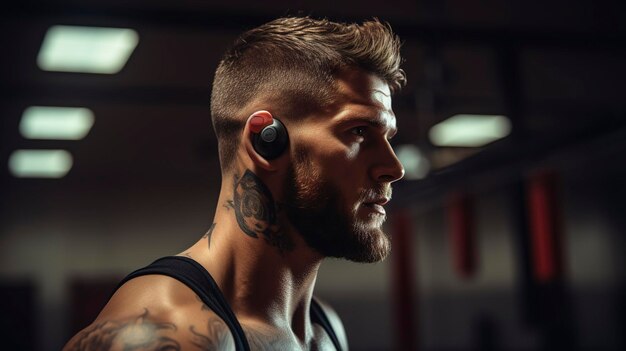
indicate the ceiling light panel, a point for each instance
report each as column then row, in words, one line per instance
column 40, row 163
column 86, row 49
column 51, row 122
column 469, row 130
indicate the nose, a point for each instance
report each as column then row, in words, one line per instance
column 387, row 168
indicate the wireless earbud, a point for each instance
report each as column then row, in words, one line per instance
column 269, row 135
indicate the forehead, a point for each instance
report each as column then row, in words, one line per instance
column 364, row 94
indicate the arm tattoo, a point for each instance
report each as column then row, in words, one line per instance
column 217, row 338
column 255, row 211
column 138, row 334
column 209, row 233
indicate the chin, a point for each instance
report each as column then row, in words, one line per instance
column 371, row 244
column 343, row 236
column 373, row 222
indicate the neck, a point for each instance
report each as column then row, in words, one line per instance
column 263, row 267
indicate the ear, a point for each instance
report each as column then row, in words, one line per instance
column 257, row 121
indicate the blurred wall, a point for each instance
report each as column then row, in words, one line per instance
column 487, row 311
column 52, row 236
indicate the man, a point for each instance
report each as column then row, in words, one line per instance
column 302, row 113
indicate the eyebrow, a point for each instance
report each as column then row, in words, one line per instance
column 372, row 121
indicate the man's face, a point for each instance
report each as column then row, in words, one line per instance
column 342, row 170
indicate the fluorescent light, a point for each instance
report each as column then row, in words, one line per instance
column 86, row 49
column 49, row 122
column 416, row 166
column 40, row 163
column 469, row 130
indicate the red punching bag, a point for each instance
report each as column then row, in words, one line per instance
column 545, row 226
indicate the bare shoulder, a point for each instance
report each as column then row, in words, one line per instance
column 154, row 312
column 335, row 322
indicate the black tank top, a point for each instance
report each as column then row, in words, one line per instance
column 192, row 274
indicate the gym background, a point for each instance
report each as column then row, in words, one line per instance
column 512, row 240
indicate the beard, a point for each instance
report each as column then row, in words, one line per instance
column 314, row 208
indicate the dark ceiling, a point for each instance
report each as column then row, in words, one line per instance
column 556, row 68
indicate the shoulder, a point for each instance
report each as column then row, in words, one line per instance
column 335, row 322
column 154, row 312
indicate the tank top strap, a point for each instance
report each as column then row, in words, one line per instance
column 319, row 316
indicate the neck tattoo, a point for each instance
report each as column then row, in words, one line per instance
column 209, row 233
column 255, row 211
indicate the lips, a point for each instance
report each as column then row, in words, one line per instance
column 382, row 201
column 377, row 204
column 378, row 201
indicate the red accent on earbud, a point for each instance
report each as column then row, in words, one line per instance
column 260, row 120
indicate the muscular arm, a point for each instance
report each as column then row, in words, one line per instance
column 141, row 333
column 135, row 333
column 163, row 325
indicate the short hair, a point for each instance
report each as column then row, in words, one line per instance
column 294, row 61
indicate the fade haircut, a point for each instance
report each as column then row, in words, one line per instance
column 292, row 62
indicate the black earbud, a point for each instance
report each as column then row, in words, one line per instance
column 272, row 140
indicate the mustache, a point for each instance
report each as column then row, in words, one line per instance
column 376, row 193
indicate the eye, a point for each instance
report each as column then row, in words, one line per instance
column 359, row 131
